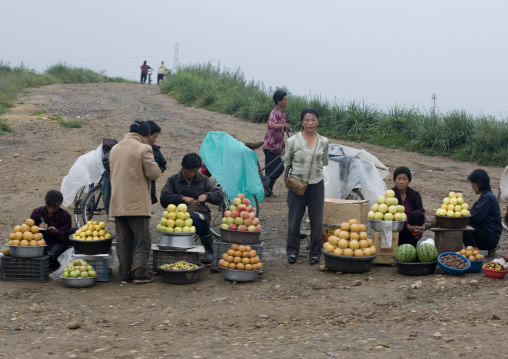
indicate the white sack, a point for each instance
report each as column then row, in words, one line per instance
column 87, row 169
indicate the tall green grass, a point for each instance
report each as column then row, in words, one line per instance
column 456, row 134
column 14, row 79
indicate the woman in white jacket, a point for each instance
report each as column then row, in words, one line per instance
column 161, row 72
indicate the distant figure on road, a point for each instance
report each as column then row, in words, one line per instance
column 144, row 71
column 163, row 71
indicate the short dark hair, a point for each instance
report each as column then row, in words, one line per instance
column 53, row 198
column 279, row 96
column 308, row 110
column 144, row 62
column 141, row 128
column 481, row 178
column 400, row 170
column 191, row 161
column 154, row 128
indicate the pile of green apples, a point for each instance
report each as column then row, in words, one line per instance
column 454, row 206
column 79, row 268
column 387, row 208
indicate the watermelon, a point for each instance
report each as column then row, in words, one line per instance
column 427, row 253
column 405, row 253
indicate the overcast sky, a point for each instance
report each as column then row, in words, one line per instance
column 385, row 53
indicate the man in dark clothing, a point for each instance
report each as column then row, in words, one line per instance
column 144, row 71
column 193, row 188
column 57, row 224
column 157, row 154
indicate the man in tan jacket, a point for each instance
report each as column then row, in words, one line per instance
column 132, row 167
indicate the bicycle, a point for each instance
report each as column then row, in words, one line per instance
column 88, row 204
column 265, row 179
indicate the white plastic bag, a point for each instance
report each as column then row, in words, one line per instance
column 503, row 185
column 349, row 168
column 87, row 169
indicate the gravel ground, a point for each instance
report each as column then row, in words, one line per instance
column 291, row 311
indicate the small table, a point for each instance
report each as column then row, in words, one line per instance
column 448, row 239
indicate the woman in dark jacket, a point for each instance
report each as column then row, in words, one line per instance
column 485, row 214
column 193, row 188
column 157, row 154
column 412, row 202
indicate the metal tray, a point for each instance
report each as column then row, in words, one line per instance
column 235, row 275
column 26, row 251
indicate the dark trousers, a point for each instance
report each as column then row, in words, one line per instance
column 198, row 221
column 313, row 199
column 143, row 78
column 160, row 77
column 274, row 170
column 415, row 219
column 478, row 238
column 128, row 228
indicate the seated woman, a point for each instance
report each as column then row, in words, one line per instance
column 57, row 223
column 485, row 214
column 412, row 202
column 192, row 187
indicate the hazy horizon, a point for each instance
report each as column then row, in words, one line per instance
column 383, row 53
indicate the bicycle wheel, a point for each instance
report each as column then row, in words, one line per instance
column 355, row 194
column 93, row 207
column 78, row 204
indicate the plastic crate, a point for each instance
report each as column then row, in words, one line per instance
column 101, row 266
column 220, row 247
column 161, row 257
column 24, row 269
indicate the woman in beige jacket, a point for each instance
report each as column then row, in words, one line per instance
column 132, row 168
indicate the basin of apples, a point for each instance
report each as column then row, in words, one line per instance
column 241, row 216
column 176, row 219
column 453, row 206
column 387, row 208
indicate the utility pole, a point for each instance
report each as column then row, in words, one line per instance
column 434, row 107
column 175, row 59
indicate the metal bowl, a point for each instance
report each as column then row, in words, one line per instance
column 170, row 240
column 26, row 251
column 452, row 222
column 239, row 237
column 377, row 226
column 78, row 282
column 235, row 275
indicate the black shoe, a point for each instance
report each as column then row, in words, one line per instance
column 292, row 259
column 127, row 281
column 314, row 260
column 142, row 280
column 207, row 258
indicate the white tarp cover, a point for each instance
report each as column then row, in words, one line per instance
column 350, row 168
column 87, row 169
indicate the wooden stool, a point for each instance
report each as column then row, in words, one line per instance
column 449, row 240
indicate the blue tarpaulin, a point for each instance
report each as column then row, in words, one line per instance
column 232, row 164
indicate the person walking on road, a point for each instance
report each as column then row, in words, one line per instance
column 161, row 72
column 144, row 72
column 274, row 144
column 132, row 168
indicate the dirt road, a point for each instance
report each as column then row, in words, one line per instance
column 292, row 311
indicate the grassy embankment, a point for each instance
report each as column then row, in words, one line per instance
column 15, row 79
column 455, row 134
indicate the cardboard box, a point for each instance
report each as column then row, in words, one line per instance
column 385, row 255
column 337, row 211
